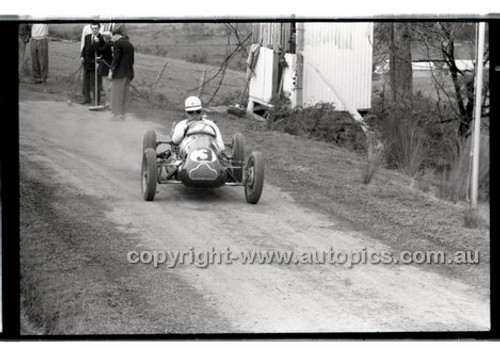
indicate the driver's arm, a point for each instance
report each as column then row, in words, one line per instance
column 179, row 132
column 220, row 142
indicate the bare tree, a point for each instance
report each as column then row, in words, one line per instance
column 441, row 39
column 239, row 47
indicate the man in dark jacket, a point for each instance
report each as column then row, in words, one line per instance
column 121, row 73
column 92, row 42
column 105, row 57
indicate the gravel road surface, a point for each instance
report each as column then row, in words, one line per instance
column 95, row 156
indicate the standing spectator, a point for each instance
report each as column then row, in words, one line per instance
column 39, row 50
column 86, row 79
column 88, row 56
column 105, row 56
column 24, row 38
column 121, row 73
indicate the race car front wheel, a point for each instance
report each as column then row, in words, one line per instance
column 238, row 155
column 149, row 174
column 254, row 177
column 149, row 140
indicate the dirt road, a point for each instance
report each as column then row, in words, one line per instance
column 97, row 157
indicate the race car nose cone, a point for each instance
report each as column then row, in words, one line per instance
column 203, row 172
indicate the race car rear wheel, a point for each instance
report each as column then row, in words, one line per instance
column 238, row 155
column 149, row 140
column 149, row 174
column 255, row 177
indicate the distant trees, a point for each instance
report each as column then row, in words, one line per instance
column 443, row 38
column 437, row 43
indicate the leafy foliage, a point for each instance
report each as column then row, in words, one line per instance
column 320, row 122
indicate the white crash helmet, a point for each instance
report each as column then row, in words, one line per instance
column 192, row 103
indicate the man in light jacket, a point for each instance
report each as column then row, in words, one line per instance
column 39, row 50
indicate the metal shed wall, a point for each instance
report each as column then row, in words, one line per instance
column 342, row 52
column 261, row 84
column 273, row 35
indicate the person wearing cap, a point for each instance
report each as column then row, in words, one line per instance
column 121, row 73
column 195, row 115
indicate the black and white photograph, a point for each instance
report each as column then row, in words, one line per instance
column 251, row 177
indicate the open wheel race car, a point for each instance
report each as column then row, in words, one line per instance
column 199, row 162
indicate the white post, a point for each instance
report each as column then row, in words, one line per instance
column 477, row 114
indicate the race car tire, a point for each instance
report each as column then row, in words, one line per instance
column 255, row 177
column 149, row 140
column 149, row 173
column 238, row 154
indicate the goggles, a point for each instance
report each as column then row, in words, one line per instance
column 197, row 112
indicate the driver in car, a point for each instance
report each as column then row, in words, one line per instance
column 195, row 116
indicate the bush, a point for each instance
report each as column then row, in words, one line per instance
column 425, row 180
column 422, row 139
column 433, row 120
column 320, row 122
column 374, row 159
column 455, row 181
column 232, row 98
column 407, row 144
column 471, row 218
column 200, row 57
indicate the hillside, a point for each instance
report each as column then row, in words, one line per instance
column 196, row 42
column 179, row 80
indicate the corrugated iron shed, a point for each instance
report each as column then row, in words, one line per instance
column 339, row 52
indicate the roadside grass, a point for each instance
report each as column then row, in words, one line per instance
column 56, row 270
column 75, row 278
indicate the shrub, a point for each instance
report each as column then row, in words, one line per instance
column 433, row 119
column 425, row 180
column 321, row 122
column 422, row 135
column 471, row 218
column 407, row 144
column 200, row 57
column 232, row 98
column 455, row 181
column 374, row 159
